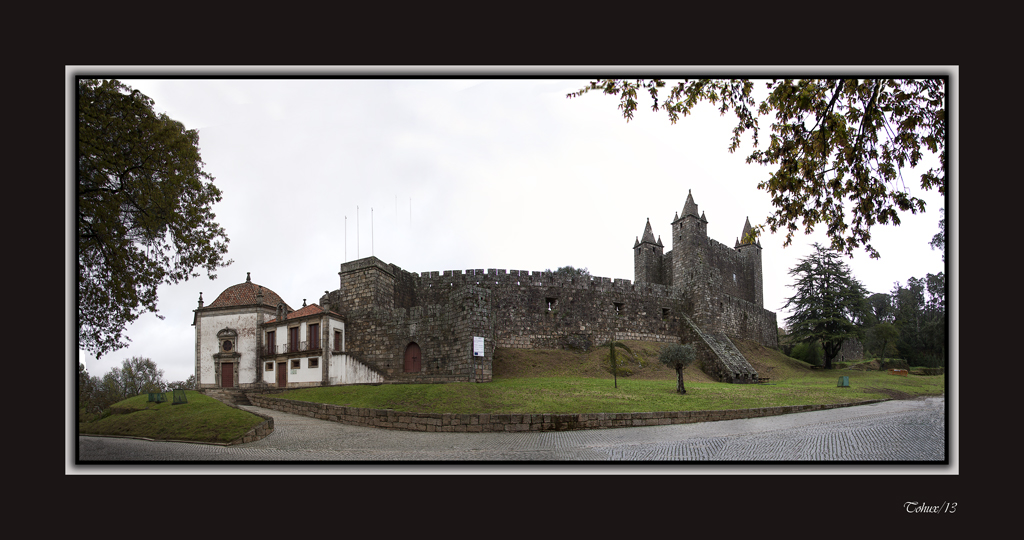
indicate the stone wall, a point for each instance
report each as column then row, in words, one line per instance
column 851, row 350
column 480, row 423
column 552, row 311
column 385, row 312
column 443, row 311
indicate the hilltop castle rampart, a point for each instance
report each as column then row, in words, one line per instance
column 700, row 282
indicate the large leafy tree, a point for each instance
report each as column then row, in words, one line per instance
column 829, row 304
column 144, row 211
column 135, row 376
column 835, row 144
column 880, row 305
column 571, row 271
column 920, row 316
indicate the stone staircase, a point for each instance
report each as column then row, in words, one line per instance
column 230, row 396
column 721, row 358
column 732, row 359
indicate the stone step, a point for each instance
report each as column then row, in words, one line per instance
column 236, row 397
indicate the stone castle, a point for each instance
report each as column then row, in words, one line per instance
column 384, row 324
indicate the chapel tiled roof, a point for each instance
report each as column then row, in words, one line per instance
column 311, row 309
column 244, row 294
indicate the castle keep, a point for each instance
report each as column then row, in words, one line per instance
column 384, row 324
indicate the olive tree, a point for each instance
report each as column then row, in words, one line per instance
column 678, row 357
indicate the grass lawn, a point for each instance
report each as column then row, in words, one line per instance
column 201, row 419
column 566, row 382
column 532, row 381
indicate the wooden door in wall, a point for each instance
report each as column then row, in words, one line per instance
column 412, row 358
column 227, row 372
column 282, row 374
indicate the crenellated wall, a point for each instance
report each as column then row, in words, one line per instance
column 387, row 308
column 547, row 310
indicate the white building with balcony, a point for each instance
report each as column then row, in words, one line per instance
column 249, row 337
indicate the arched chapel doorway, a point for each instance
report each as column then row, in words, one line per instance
column 227, row 372
column 412, row 358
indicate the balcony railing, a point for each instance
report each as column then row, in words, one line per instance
column 293, row 347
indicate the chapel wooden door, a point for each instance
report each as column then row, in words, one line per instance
column 227, row 372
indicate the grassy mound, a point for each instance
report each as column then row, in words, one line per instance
column 202, row 419
column 526, row 363
column 771, row 363
column 560, row 381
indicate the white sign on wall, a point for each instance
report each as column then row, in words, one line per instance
column 478, row 346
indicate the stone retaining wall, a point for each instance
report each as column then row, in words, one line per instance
column 390, row 419
column 261, row 430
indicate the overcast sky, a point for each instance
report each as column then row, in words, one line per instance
column 454, row 174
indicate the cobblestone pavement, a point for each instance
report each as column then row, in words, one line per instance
column 909, row 430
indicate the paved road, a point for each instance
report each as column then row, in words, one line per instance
column 911, row 430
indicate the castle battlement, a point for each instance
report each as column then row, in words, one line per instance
column 386, row 324
column 700, row 282
column 524, row 278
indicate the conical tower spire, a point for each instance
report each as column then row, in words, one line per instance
column 690, row 208
column 648, row 237
column 745, row 235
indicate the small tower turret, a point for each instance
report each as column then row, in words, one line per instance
column 749, row 248
column 648, row 255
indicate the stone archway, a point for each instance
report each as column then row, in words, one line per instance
column 412, row 358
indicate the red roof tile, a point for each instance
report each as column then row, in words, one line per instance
column 311, row 309
column 244, row 294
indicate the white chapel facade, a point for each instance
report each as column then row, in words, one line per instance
column 249, row 337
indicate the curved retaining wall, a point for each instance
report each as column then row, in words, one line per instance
column 389, row 419
column 259, row 431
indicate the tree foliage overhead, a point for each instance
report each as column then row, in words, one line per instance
column 835, row 144
column 144, row 211
column 829, row 303
column 939, row 240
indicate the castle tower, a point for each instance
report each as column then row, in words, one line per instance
column 749, row 249
column 689, row 243
column 648, row 257
column 691, row 262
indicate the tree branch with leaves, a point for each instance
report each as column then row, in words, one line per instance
column 862, row 133
column 144, row 211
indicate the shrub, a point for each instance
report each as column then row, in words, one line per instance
column 893, row 363
column 812, row 353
